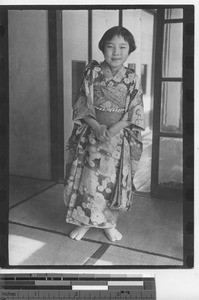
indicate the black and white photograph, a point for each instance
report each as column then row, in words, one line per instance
column 96, row 136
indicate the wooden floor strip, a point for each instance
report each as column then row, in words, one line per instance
column 97, row 255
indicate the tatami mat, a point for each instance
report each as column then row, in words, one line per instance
column 21, row 188
column 153, row 225
column 45, row 210
column 121, row 256
column 29, row 246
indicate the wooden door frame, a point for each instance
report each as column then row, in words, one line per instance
column 56, row 85
column 157, row 104
column 156, row 189
column 56, row 88
column 56, row 94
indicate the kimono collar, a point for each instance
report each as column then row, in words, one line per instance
column 108, row 74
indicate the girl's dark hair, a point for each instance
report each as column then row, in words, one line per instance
column 117, row 31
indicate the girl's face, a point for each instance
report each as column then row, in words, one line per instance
column 116, row 52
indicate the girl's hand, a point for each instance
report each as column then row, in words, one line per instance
column 114, row 129
column 101, row 133
column 117, row 127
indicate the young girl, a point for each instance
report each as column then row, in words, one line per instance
column 105, row 145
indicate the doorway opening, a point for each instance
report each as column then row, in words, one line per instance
column 81, row 45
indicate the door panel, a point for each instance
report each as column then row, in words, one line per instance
column 172, row 50
column 75, row 56
column 167, row 158
column 171, row 107
column 170, row 162
column 173, row 13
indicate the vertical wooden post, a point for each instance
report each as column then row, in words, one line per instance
column 4, row 138
column 157, row 101
column 89, row 35
column 188, row 136
column 56, row 94
column 120, row 17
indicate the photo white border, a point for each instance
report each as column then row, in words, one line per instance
column 171, row 284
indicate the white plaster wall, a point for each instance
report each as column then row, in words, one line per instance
column 29, row 93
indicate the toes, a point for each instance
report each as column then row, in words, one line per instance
column 118, row 235
column 78, row 233
column 73, row 233
column 113, row 234
column 110, row 234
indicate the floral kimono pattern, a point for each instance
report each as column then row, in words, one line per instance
column 99, row 176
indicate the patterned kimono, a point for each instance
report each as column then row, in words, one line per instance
column 99, row 176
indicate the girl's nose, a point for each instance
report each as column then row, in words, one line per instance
column 116, row 51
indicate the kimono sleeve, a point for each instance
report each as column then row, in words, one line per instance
column 136, row 110
column 83, row 106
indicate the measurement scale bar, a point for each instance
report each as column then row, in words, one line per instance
column 125, row 283
column 90, row 287
column 55, row 283
column 67, row 287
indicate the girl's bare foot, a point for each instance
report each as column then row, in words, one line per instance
column 79, row 232
column 113, row 234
